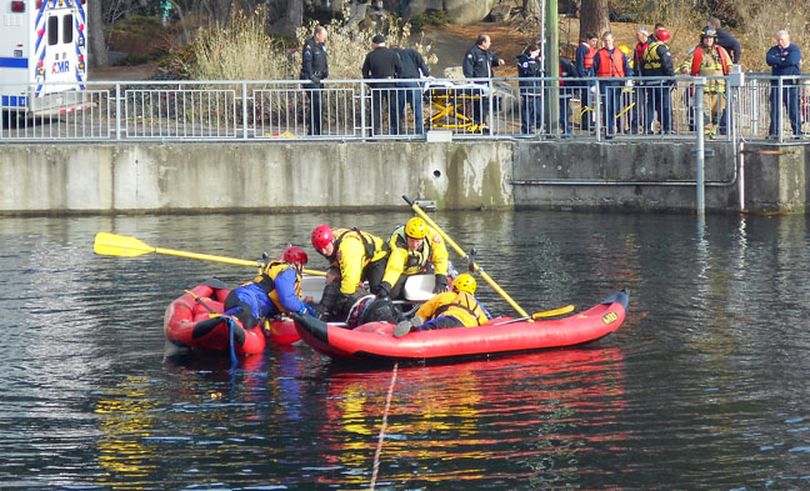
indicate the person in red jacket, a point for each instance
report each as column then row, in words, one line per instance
column 610, row 66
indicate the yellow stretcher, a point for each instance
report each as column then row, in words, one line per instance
column 453, row 106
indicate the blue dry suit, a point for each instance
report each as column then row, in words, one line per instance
column 267, row 297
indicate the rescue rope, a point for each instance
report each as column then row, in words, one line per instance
column 380, row 439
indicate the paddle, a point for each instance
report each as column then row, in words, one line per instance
column 539, row 315
column 464, row 255
column 108, row 244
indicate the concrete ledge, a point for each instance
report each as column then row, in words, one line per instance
column 299, row 176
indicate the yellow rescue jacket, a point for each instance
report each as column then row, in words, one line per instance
column 354, row 250
column 460, row 305
column 404, row 261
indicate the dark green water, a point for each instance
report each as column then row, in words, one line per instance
column 705, row 386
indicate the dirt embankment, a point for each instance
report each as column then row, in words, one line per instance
column 449, row 42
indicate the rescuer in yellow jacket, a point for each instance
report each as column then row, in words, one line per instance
column 448, row 309
column 416, row 248
column 354, row 256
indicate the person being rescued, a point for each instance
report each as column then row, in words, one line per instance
column 448, row 309
column 416, row 248
column 354, row 256
column 275, row 290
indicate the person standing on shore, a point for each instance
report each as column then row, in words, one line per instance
column 726, row 40
column 785, row 61
column 383, row 62
column 315, row 68
column 413, row 67
column 478, row 63
column 611, row 67
column 713, row 61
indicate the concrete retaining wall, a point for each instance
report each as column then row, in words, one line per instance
column 201, row 177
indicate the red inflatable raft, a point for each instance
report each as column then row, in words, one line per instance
column 375, row 340
column 199, row 303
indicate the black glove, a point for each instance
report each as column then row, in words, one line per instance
column 441, row 284
column 384, row 291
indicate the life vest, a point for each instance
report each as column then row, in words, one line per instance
column 417, row 260
column 373, row 247
column 611, row 64
column 463, row 307
column 266, row 280
column 587, row 60
column 651, row 57
column 697, row 60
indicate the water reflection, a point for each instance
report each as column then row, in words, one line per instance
column 528, row 426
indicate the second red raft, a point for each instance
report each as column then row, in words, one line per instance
column 180, row 324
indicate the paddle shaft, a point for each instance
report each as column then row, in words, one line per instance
column 539, row 315
column 110, row 244
column 418, row 210
column 222, row 259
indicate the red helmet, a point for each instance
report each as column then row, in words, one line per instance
column 322, row 236
column 294, row 255
column 662, row 35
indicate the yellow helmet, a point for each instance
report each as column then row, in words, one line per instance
column 416, row 228
column 625, row 49
column 465, row 283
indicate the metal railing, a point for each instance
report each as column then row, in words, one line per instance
column 756, row 107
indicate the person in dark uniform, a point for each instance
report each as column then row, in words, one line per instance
column 413, row 67
column 567, row 71
column 478, row 63
column 315, row 68
column 530, row 71
column 726, row 40
column 381, row 63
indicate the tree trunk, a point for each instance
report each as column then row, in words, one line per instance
column 97, row 47
column 531, row 10
column 593, row 17
column 292, row 19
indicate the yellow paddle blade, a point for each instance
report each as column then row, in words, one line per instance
column 553, row 313
column 107, row 244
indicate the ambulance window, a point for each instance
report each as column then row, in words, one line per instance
column 67, row 29
column 53, row 30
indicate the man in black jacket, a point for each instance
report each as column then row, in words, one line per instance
column 315, row 68
column 383, row 63
column 726, row 40
column 478, row 63
column 413, row 67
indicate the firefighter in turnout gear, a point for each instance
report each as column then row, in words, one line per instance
column 708, row 59
column 416, row 248
column 354, row 256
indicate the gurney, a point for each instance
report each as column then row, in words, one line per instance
column 453, row 105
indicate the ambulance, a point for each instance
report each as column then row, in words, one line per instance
column 43, row 56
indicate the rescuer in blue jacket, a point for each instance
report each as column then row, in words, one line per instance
column 785, row 59
column 275, row 290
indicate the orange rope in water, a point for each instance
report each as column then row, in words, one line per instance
column 380, row 439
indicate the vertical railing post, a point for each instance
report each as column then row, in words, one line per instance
column 780, row 96
column 362, row 111
column 244, row 111
column 597, row 109
column 700, row 201
column 118, row 111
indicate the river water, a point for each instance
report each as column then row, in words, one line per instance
column 705, row 385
